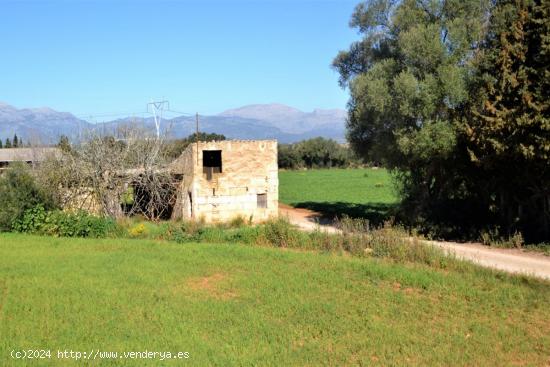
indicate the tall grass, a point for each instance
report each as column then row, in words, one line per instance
column 355, row 237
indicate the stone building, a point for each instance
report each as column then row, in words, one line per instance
column 31, row 156
column 222, row 180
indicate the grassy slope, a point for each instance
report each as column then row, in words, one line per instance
column 237, row 305
column 360, row 192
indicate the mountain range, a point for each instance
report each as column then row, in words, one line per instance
column 259, row 121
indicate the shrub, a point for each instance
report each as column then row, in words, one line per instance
column 390, row 242
column 280, row 233
column 32, row 220
column 20, row 192
column 180, row 236
column 187, row 231
column 138, row 230
column 63, row 224
column 494, row 238
column 327, row 242
column 355, row 236
column 237, row 221
column 352, row 225
column 79, row 224
column 395, row 244
column 245, row 234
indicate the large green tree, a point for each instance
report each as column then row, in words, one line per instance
column 507, row 123
column 408, row 76
column 409, row 72
column 454, row 95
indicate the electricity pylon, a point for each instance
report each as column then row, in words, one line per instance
column 157, row 108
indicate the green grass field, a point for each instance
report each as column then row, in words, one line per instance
column 241, row 305
column 362, row 192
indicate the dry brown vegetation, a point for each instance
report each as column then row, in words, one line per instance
column 100, row 173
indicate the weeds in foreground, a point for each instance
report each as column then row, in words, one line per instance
column 494, row 238
column 355, row 237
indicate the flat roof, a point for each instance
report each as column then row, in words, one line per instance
column 26, row 154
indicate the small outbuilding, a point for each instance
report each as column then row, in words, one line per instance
column 222, row 180
column 31, row 156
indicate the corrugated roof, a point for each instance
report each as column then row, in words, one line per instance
column 26, row 154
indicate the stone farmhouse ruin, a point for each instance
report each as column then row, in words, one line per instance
column 214, row 181
column 221, row 180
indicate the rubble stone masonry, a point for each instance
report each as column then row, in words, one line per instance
column 247, row 186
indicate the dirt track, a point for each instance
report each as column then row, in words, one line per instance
column 510, row 260
column 304, row 218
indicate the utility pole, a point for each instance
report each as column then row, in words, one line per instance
column 157, row 108
column 197, row 136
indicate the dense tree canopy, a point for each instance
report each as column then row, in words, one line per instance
column 407, row 77
column 315, row 153
column 408, row 74
column 453, row 94
column 507, row 123
column 173, row 148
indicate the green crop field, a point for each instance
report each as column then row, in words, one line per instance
column 361, row 192
column 241, row 305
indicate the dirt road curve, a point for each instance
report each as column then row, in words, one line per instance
column 510, row 260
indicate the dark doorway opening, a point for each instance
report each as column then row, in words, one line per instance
column 155, row 202
column 211, row 162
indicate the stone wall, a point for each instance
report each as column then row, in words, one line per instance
column 249, row 169
column 184, row 166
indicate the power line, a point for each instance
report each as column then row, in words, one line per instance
column 182, row 113
column 109, row 114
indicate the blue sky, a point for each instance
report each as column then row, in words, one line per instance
column 93, row 57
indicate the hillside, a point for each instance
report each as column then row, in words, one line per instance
column 38, row 124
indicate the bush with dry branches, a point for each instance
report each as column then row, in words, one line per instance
column 112, row 176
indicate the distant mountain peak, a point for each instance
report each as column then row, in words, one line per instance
column 255, row 121
column 37, row 125
column 278, row 108
column 288, row 118
column 4, row 106
column 43, row 110
column 261, row 109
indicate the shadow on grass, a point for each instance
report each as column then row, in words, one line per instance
column 376, row 213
